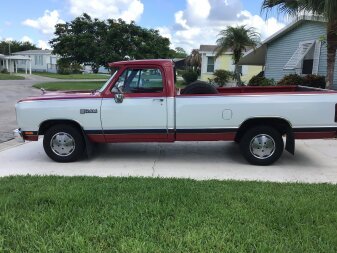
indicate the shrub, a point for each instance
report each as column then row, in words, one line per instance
column 315, row 81
column 4, row 71
column 261, row 81
column 190, row 76
column 292, row 79
column 222, row 77
column 64, row 67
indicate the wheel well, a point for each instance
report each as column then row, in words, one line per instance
column 49, row 123
column 281, row 125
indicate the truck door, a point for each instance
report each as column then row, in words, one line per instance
column 139, row 111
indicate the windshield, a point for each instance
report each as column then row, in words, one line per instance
column 107, row 82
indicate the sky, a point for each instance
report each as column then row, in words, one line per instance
column 187, row 23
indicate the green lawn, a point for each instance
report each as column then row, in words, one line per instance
column 73, row 76
column 85, row 214
column 10, row 77
column 54, row 86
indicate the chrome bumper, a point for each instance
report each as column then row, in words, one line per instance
column 18, row 135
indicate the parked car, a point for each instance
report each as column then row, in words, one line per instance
column 140, row 103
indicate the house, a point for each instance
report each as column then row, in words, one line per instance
column 296, row 49
column 10, row 63
column 209, row 64
column 41, row 60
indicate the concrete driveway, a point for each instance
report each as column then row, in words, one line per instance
column 14, row 90
column 11, row 92
column 315, row 161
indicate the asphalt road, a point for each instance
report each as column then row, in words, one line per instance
column 315, row 162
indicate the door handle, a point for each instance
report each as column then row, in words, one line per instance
column 158, row 100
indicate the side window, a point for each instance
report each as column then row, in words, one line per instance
column 140, row 81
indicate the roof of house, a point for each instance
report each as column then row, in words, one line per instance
column 208, row 48
column 212, row 49
column 36, row 51
column 14, row 57
column 257, row 56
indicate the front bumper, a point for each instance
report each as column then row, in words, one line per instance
column 18, row 135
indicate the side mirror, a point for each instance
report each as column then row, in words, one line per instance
column 119, row 97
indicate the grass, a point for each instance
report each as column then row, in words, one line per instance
column 85, row 214
column 10, row 77
column 73, row 76
column 54, row 86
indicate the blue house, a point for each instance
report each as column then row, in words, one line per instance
column 296, row 49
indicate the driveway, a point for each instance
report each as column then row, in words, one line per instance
column 315, row 162
column 11, row 92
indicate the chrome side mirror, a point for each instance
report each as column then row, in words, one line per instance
column 119, row 97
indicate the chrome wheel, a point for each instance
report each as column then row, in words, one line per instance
column 262, row 146
column 62, row 144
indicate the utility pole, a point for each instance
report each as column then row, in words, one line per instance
column 9, row 55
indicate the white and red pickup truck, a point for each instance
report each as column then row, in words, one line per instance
column 140, row 103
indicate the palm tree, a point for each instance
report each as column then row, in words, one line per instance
column 237, row 39
column 325, row 8
column 194, row 60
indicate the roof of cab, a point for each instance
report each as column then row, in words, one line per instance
column 161, row 62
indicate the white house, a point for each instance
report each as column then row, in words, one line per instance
column 41, row 60
column 10, row 63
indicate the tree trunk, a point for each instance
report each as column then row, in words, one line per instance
column 332, row 47
column 237, row 75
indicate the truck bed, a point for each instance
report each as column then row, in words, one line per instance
column 271, row 89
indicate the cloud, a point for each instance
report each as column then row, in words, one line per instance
column 46, row 23
column 43, row 44
column 128, row 10
column 26, row 39
column 202, row 20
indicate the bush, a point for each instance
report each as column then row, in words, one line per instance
column 190, row 76
column 261, row 81
column 314, row 81
column 292, row 79
column 222, row 77
column 4, row 71
column 64, row 67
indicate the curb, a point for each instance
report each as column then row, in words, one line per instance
column 9, row 144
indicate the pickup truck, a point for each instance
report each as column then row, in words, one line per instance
column 140, row 103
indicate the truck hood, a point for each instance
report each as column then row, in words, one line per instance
column 73, row 94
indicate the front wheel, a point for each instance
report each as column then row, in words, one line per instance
column 262, row 145
column 63, row 143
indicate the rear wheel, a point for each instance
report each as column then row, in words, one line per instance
column 262, row 145
column 63, row 143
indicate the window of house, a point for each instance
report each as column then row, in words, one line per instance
column 210, row 64
column 38, row 60
column 140, row 81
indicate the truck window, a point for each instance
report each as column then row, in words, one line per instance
column 141, row 81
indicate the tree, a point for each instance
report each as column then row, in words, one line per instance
column 98, row 42
column 194, row 60
column 325, row 8
column 179, row 52
column 236, row 39
column 16, row 46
